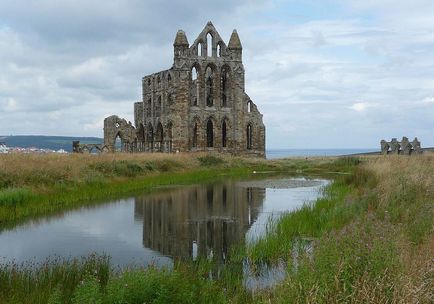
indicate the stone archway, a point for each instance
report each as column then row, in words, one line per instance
column 150, row 137
column 118, row 143
column 169, row 137
column 141, row 137
column 159, row 138
column 116, row 127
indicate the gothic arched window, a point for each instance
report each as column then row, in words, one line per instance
column 224, row 84
column 209, row 134
column 150, row 137
column 249, row 106
column 199, row 49
column 158, row 107
column 219, row 50
column 209, row 40
column 194, row 87
column 224, row 134
column 209, row 87
column 159, row 135
column 149, row 107
column 194, row 143
column 249, row 134
column 169, row 136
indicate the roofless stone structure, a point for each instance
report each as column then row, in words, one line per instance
column 199, row 104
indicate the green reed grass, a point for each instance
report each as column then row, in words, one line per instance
column 370, row 233
column 11, row 197
column 92, row 280
column 332, row 211
column 35, row 283
column 358, row 264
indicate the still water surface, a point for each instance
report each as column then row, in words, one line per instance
column 172, row 223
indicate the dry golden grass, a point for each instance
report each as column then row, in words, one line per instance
column 42, row 171
column 39, row 171
column 385, row 254
column 409, row 182
column 72, row 166
column 393, row 170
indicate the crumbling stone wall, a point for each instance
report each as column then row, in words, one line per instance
column 88, row 147
column 115, row 127
column 199, row 104
column 404, row 147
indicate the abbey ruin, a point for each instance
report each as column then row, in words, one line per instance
column 403, row 147
column 199, row 104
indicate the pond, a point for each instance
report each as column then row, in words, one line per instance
column 172, row 223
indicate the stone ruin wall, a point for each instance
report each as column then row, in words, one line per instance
column 403, row 147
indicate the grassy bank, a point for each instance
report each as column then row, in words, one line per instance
column 93, row 280
column 38, row 185
column 369, row 239
column 372, row 238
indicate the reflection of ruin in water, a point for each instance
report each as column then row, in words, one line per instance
column 197, row 221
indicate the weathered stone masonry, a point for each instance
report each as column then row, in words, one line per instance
column 403, row 147
column 199, row 104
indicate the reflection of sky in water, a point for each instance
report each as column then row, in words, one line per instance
column 116, row 229
column 278, row 201
column 106, row 229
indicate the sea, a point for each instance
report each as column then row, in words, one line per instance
column 283, row 153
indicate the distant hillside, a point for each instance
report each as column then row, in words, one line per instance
column 46, row 142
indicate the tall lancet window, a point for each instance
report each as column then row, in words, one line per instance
column 199, row 49
column 224, row 134
column 194, row 87
column 249, row 134
column 209, row 134
column 219, row 50
column 209, row 40
column 149, row 108
column 195, row 135
column 209, row 87
column 224, row 85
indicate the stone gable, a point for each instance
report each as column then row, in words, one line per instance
column 199, row 104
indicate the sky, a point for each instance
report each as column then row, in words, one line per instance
column 325, row 74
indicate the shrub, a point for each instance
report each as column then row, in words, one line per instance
column 210, row 160
column 118, row 168
column 149, row 165
column 166, row 165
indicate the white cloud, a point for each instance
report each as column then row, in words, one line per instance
column 310, row 73
column 10, row 105
column 361, row 106
column 428, row 100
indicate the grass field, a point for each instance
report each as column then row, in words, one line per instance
column 371, row 234
column 37, row 185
